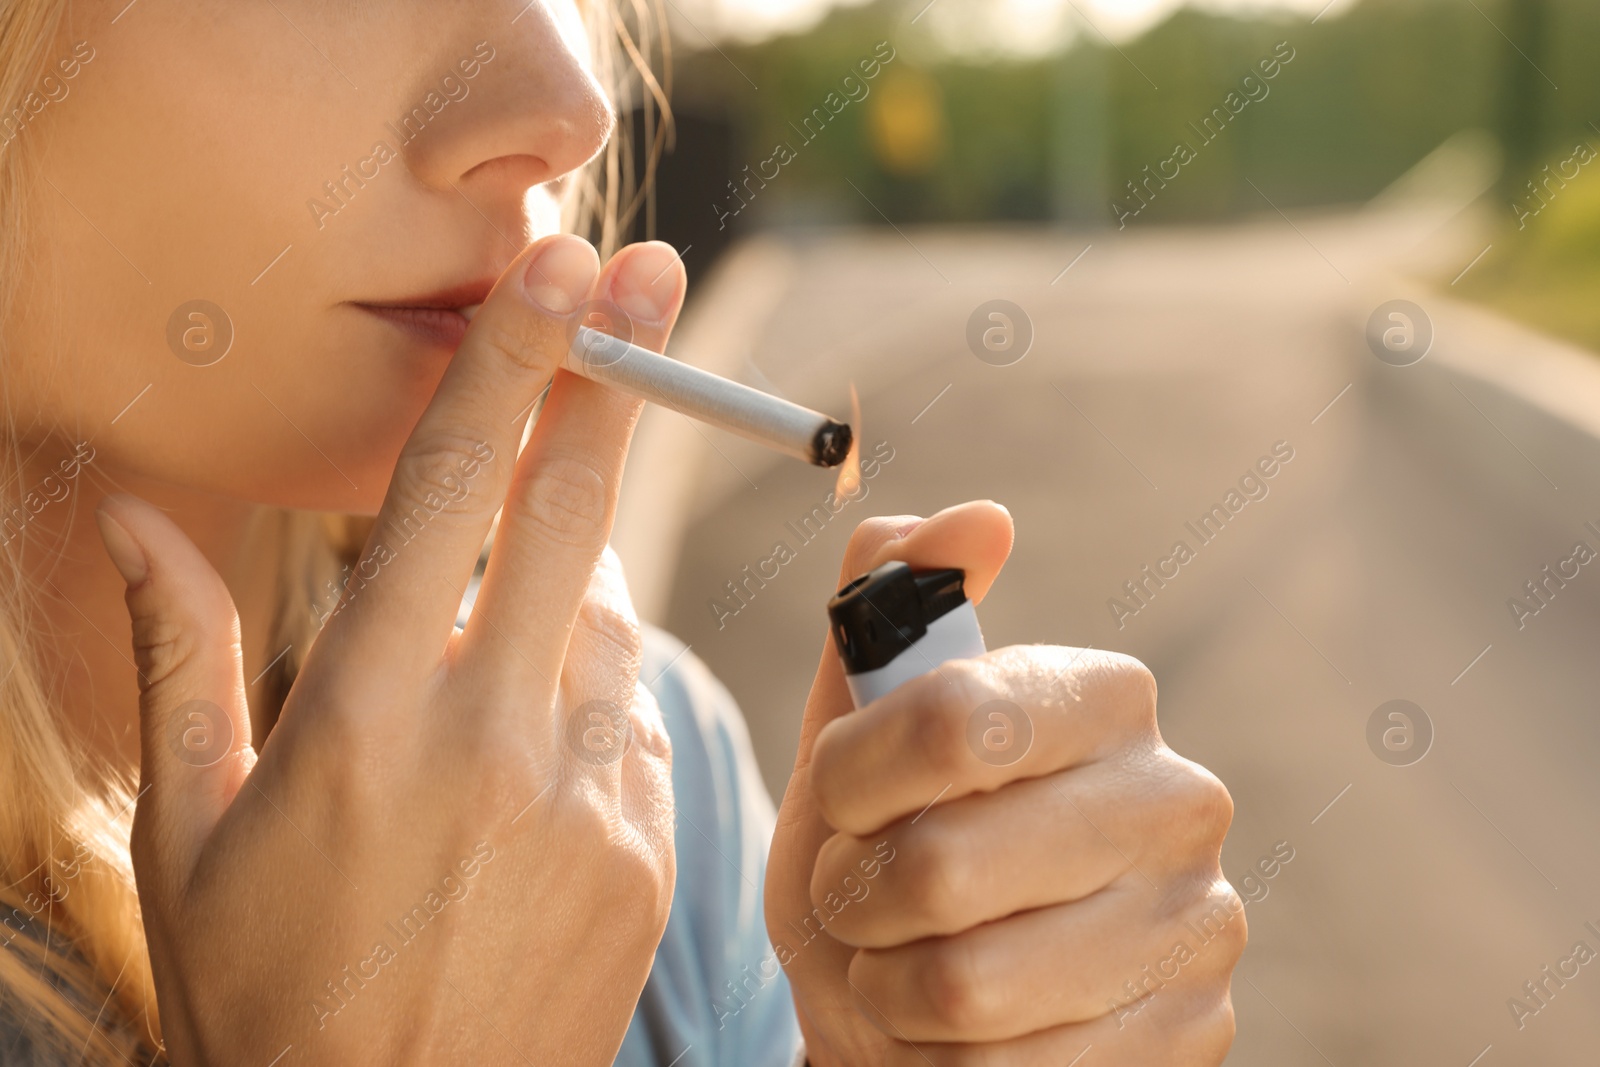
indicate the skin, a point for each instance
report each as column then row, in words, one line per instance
column 1012, row 899
column 408, row 753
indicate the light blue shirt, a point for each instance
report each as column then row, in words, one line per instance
column 716, row 996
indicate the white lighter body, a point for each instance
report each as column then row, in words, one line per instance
column 894, row 624
column 953, row 635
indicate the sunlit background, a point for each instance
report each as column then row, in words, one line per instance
column 1199, row 218
column 1017, row 27
column 1047, row 109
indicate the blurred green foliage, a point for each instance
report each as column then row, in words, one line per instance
column 1549, row 274
column 1369, row 93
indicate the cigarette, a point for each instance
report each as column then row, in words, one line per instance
column 765, row 419
column 760, row 417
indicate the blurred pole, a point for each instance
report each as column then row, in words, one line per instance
column 1081, row 136
column 1524, row 90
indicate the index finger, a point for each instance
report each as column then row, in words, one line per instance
column 454, row 470
column 977, row 725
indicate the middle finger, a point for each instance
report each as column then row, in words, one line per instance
column 563, row 496
column 959, row 864
column 976, row 725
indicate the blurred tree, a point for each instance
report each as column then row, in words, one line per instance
column 1525, row 88
column 1368, row 94
column 1081, row 135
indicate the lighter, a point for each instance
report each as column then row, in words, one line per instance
column 894, row 623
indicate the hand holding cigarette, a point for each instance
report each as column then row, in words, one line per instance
column 938, row 899
column 397, row 717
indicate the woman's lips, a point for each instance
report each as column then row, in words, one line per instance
column 436, row 317
column 444, row 327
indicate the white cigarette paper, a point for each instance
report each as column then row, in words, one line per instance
column 750, row 413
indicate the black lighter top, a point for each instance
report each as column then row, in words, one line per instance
column 880, row 614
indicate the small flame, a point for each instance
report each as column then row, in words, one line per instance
column 849, row 480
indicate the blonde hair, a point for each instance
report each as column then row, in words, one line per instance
column 82, row 986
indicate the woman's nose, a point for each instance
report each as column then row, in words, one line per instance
column 533, row 112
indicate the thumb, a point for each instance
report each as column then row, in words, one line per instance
column 975, row 536
column 194, row 720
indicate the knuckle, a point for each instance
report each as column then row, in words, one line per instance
column 1061, row 672
column 635, row 877
column 1214, row 917
column 1237, row 934
column 645, row 874
column 435, row 475
column 936, row 727
column 951, row 988
column 566, row 500
column 615, row 631
column 589, row 827
column 610, row 577
column 1203, row 1031
column 1210, row 808
column 1136, row 692
column 930, row 735
column 1217, row 1030
column 831, row 858
column 935, row 883
column 649, row 727
column 841, row 884
column 1124, row 693
column 1192, row 810
column 830, row 777
column 589, row 821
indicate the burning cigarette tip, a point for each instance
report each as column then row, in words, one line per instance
column 832, row 444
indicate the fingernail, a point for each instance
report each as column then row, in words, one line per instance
column 646, row 286
column 559, row 277
column 124, row 551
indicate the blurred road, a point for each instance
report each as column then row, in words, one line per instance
column 1165, row 364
